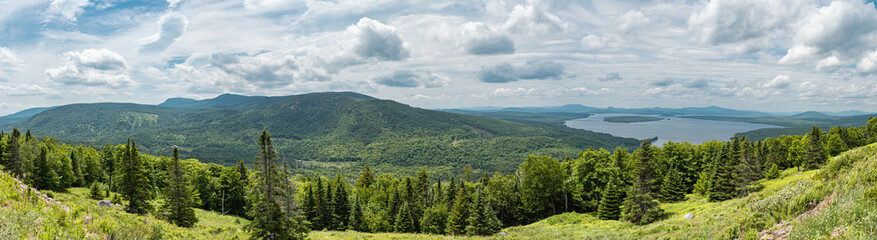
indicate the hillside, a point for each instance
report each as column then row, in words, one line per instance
column 792, row 125
column 21, row 115
column 811, row 114
column 322, row 127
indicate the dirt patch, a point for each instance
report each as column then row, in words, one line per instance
column 781, row 230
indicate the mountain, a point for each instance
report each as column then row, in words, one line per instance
column 577, row 108
column 811, row 114
column 569, row 108
column 24, row 114
column 332, row 128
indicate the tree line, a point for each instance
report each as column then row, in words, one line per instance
column 617, row 185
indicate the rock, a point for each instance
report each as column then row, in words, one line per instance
column 689, row 216
column 502, row 233
column 718, row 216
column 105, row 203
column 87, row 219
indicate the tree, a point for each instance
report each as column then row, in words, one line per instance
column 340, row 205
column 611, row 200
column 133, row 184
column 366, row 178
column 723, row 181
column 405, row 219
column 233, row 191
column 179, row 199
column 108, row 161
column 542, row 186
column 673, row 187
column 434, row 219
column 773, row 173
column 815, row 154
column 835, row 145
column 14, row 161
column 269, row 220
column 459, row 216
column 95, row 192
column 701, row 187
column 43, row 174
column 640, row 206
column 77, row 171
column 482, row 221
column 357, row 222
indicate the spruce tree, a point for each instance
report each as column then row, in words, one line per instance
column 341, row 207
column 77, row 171
column 451, row 193
column 133, row 184
column 404, row 222
column 640, row 206
column 356, row 221
column 673, row 187
column 482, row 220
column 701, row 187
column 95, row 192
column 366, row 178
column 179, row 198
column 14, row 161
column 815, row 154
column 723, row 182
column 748, row 170
column 611, row 200
column 269, row 220
column 321, row 206
column 773, row 173
column 459, row 216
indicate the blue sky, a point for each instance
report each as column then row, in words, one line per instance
column 781, row 55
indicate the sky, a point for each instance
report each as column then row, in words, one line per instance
column 777, row 55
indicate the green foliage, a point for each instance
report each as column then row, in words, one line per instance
column 613, row 197
column 542, row 187
column 459, row 216
column 482, row 220
column 640, row 205
column 723, row 180
column 269, row 220
column 133, row 183
column 357, row 222
column 773, row 173
column 673, row 187
column 340, row 205
column 815, row 154
column 701, row 187
column 95, row 192
column 179, row 199
column 405, row 219
column 434, row 219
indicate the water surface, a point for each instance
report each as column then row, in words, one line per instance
column 675, row 129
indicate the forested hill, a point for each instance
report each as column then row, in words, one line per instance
column 326, row 127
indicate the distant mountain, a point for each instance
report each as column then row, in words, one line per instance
column 811, row 114
column 569, row 108
column 577, row 108
column 324, row 127
column 24, row 114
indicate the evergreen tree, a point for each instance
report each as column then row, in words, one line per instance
column 640, row 206
column 65, row 171
column 133, row 183
column 357, row 222
column 773, row 173
column 815, row 154
column 269, row 220
column 405, row 219
column 749, row 169
column 28, row 136
column 482, row 221
column 14, row 161
column 95, row 192
column 434, row 219
column 451, row 193
column 701, row 187
column 723, row 182
column 108, row 161
column 459, row 216
column 341, row 207
column 673, row 187
column 77, row 171
column 366, row 178
column 179, row 198
column 321, row 206
column 438, row 194
column 232, row 189
column 610, row 202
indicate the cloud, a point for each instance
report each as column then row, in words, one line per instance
column 868, row 64
column 594, row 42
column 379, row 41
column 844, row 30
column 25, row 90
column 632, row 21
column 533, row 69
column 663, row 83
column 92, row 67
column 533, row 19
column 67, row 9
column 411, row 79
column 697, row 84
column 9, row 63
column 266, row 70
column 172, row 27
column 779, row 82
column 483, row 39
column 615, row 76
column 544, row 92
column 732, row 21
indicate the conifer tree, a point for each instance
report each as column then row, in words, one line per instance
column 459, row 216
column 701, row 187
column 95, row 192
column 133, row 183
column 14, row 161
column 179, row 198
column 611, row 200
column 438, row 194
column 108, row 163
column 341, row 207
column 815, row 154
column 321, row 206
column 748, row 170
column 269, row 220
column 405, row 219
column 723, row 182
column 482, row 220
column 451, row 193
column 673, row 187
column 77, row 171
column 366, row 178
column 640, row 206
column 773, row 173
column 357, row 222
column 434, row 219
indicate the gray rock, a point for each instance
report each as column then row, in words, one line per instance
column 689, row 216
column 502, row 233
column 105, row 203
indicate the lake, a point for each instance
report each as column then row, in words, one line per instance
column 675, row 129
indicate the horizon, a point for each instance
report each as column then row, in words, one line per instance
column 767, row 56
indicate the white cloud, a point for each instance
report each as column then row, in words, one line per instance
column 367, row 40
column 545, row 92
column 9, row 63
column 25, row 90
column 615, row 76
column 594, row 42
column 868, row 64
column 533, row 19
column 67, row 9
column 844, row 30
column 411, row 79
column 171, row 4
column 733, row 21
column 92, row 67
column 632, row 21
column 172, row 27
column 533, row 69
column 779, row 82
column 482, row 39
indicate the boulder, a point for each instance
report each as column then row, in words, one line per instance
column 105, row 203
column 689, row 216
column 502, row 233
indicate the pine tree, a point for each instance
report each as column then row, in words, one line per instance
column 673, row 187
column 357, row 222
column 815, row 154
column 459, row 216
column 179, row 198
column 434, row 219
column 77, row 171
column 451, row 193
column 133, row 184
column 405, row 219
column 748, row 170
column 482, row 220
column 14, row 161
column 308, row 203
column 773, row 173
column 640, row 206
column 95, row 192
column 321, row 206
column 723, row 182
column 341, row 207
column 611, row 200
column 269, row 220
column 366, row 178
column 701, row 187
